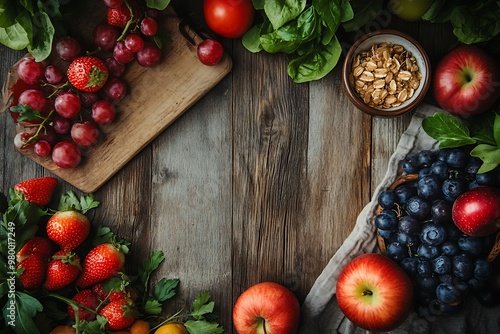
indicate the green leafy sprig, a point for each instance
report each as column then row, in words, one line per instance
column 482, row 132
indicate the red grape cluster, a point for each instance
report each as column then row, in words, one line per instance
column 60, row 114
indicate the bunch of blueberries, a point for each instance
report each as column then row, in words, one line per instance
column 419, row 234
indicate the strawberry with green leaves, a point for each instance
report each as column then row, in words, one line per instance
column 38, row 190
column 120, row 314
column 87, row 73
column 101, row 262
column 62, row 270
column 85, row 298
column 33, row 270
column 69, row 226
column 36, row 245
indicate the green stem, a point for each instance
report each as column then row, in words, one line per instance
column 169, row 319
column 40, row 127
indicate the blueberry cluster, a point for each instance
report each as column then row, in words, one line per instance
column 415, row 222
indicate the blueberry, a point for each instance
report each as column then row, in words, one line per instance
column 441, row 264
column 429, row 187
column 418, row 207
column 452, row 188
column 448, row 293
column 409, row 165
column 471, row 245
column 486, row 179
column 409, row 225
column 447, row 278
column 426, row 171
column 397, row 251
column 441, row 154
column 488, row 297
column 387, row 220
column 456, row 158
column 424, row 268
column 441, row 211
column 425, row 158
column 440, row 169
column 463, row 266
column 452, row 232
column 427, row 284
column 386, row 199
column 473, row 184
column 409, row 265
column 450, row 248
column 404, row 192
column 482, row 269
column 433, row 234
column 428, row 252
column 473, row 166
column 476, row 284
column 388, row 235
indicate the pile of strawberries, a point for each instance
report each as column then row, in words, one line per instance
column 52, row 262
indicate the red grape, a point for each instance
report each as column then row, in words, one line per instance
column 113, row 3
column 122, row 54
column 134, row 42
column 48, row 134
column 103, row 112
column 61, row 125
column 67, row 104
column 68, row 48
column 115, row 89
column 42, row 148
column 150, row 55
column 210, row 52
column 88, row 98
column 85, row 134
column 115, row 68
column 54, row 75
column 33, row 98
column 30, row 71
column 66, row 154
column 154, row 13
column 20, row 140
column 149, row 26
column 105, row 36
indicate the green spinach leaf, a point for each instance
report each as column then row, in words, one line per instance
column 280, row 12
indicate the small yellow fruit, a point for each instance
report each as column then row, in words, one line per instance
column 139, row 327
column 172, row 328
column 409, row 10
column 63, row 330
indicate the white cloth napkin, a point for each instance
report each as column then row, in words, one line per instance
column 320, row 312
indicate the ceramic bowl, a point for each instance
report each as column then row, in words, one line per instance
column 366, row 43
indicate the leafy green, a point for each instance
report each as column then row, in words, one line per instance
column 473, row 22
column 305, row 30
column 158, row 4
column 25, row 308
column 482, row 132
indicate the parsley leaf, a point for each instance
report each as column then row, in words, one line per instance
column 165, row 289
column 203, row 327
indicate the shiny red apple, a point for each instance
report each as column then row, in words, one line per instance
column 467, row 81
column 477, row 212
column 374, row 293
column 266, row 308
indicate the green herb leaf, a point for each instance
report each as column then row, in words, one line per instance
column 152, row 306
column 280, row 12
column 158, row 4
column 165, row 289
column 44, row 31
column 203, row 327
column 333, row 12
column 26, row 307
column 70, row 201
column 448, row 130
column 490, row 155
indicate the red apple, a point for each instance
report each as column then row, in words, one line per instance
column 477, row 212
column 374, row 292
column 266, row 308
column 467, row 81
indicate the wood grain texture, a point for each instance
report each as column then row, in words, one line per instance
column 259, row 180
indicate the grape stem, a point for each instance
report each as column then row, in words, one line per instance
column 40, row 127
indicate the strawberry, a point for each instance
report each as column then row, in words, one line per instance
column 120, row 314
column 35, row 269
column 36, row 245
column 120, row 16
column 87, row 73
column 38, row 190
column 101, row 262
column 62, row 270
column 68, row 228
column 85, row 298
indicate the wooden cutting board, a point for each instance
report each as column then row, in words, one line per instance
column 157, row 97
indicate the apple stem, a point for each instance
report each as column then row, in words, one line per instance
column 367, row 293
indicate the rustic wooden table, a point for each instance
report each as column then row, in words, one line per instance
column 261, row 180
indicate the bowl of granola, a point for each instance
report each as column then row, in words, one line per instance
column 386, row 73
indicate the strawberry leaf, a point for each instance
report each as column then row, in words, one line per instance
column 165, row 289
column 104, row 235
column 203, row 327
